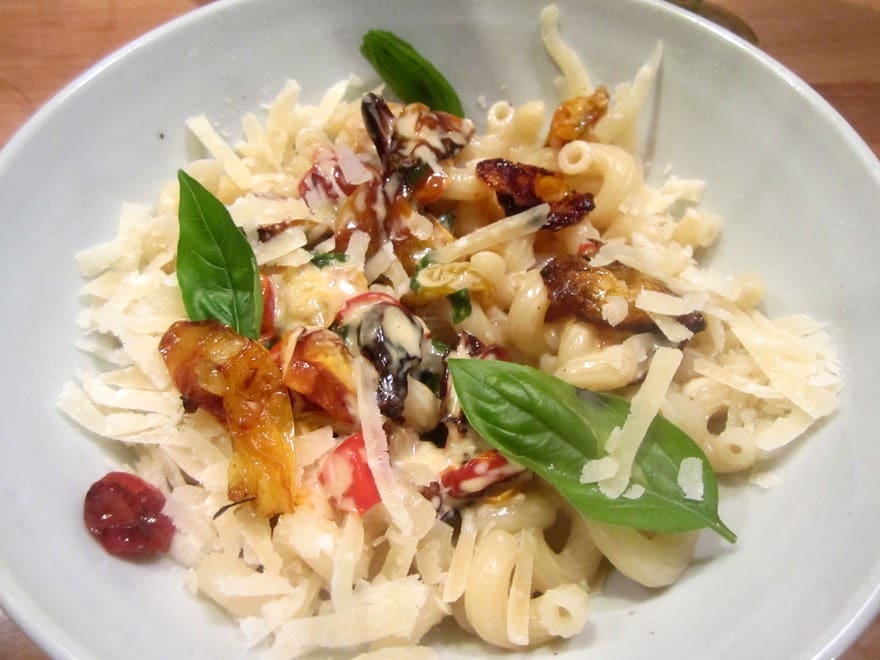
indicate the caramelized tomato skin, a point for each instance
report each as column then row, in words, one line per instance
column 267, row 325
column 478, row 474
column 124, row 513
column 519, row 186
column 237, row 380
column 320, row 369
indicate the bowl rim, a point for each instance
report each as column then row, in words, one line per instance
column 26, row 612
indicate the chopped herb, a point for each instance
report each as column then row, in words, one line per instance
column 417, row 173
column 324, row 259
column 461, row 305
column 439, row 348
column 420, row 265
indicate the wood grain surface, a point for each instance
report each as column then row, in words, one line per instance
column 834, row 45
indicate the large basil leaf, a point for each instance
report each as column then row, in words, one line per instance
column 411, row 76
column 554, row 428
column 216, row 267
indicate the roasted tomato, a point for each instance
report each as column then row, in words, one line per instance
column 409, row 143
column 236, row 379
column 578, row 289
column 267, row 325
column 472, row 346
column 347, row 476
column 320, row 369
column 124, row 513
column 575, row 118
column 410, row 146
column 478, row 473
column 519, row 187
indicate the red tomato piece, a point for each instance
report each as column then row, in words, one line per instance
column 478, row 473
column 124, row 513
column 267, row 327
column 347, row 476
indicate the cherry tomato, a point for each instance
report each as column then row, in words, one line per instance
column 267, row 327
column 478, row 473
column 124, row 513
column 347, row 476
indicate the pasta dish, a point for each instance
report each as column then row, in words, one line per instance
column 430, row 370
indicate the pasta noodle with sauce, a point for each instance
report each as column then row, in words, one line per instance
column 404, row 516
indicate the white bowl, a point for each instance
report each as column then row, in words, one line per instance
column 798, row 189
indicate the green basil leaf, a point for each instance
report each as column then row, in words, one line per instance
column 439, row 348
column 461, row 305
column 554, row 428
column 324, row 259
column 411, row 76
column 216, row 267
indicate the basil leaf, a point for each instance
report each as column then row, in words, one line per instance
column 411, row 76
column 216, row 267
column 554, row 428
column 324, row 259
column 461, row 305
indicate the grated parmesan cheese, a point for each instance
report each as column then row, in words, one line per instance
column 377, row 611
column 599, row 469
column 234, row 166
column 671, row 329
column 614, row 310
column 665, row 303
column 788, row 360
column 376, row 446
column 690, row 478
column 501, row 231
column 624, row 442
column 764, row 479
column 634, row 492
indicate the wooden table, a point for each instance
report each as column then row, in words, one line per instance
column 832, row 44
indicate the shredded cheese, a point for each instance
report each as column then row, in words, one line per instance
column 690, row 478
column 598, row 470
column 665, row 303
column 671, row 329
column 234, row 166
column 614, row 310
column 376, row 446
column 764, row 479
column 788, row 360
column 624, row 442
column 508, row 229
